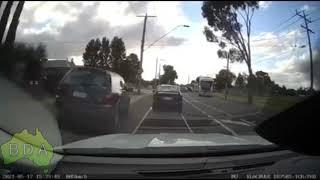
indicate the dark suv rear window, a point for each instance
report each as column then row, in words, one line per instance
column 88, row 77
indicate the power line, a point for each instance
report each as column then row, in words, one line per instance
column 266, row 39
column 283, row 22
column 264, row 59
column 315, row 20
column 278, row 27
column 289, row 24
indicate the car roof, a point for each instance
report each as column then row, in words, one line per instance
column 57, row 64
column 176, row 87
column 99, row 69
column 206, row 78
column 168, row 85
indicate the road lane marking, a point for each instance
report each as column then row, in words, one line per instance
column 185, row 121
column 256, row 113
column 235, row 122
column 247, row 114
column 211, row 118
column 223, row 125
column 141, row 121
column 212, row 107
column 251, row 123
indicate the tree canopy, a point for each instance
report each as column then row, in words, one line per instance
column 111, row 56
column 169, row 75
column 226, row 17
column 222, row 77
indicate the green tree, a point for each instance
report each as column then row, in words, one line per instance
column 223, row 16
column 11, row 35
column 118, row 54
column 133, row 67
column 169, row 75
column 90, row 56
column 240, row 81
column 104, row 53
column 222, row 77
column 263, row 82
column 4, row 19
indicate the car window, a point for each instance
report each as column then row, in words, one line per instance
column 168, row 88
column 87, row 77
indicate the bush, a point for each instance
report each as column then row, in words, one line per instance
column 22, row 55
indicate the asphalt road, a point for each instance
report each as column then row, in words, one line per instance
column 199, row 115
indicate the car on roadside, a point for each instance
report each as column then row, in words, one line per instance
column 98, row 97
column 167, row 96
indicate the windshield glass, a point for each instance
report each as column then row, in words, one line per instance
column 206, row 85
column 168, row 88
column 86, row 77
column 108, row 73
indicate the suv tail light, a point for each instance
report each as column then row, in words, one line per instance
column 110, row 99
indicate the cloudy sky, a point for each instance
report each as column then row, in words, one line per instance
column 66, row 27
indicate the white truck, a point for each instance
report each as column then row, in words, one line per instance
column 205, row 86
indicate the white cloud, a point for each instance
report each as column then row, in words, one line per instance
column 78, row 22
column 305, row 7
column 113, row 13
column 264, row 4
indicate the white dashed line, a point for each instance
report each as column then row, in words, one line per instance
column 141, row 121
column 235, row 122
column 223, row 125
column 211, row 107
column 248, row 122
column 211, row 118
column 185, row 121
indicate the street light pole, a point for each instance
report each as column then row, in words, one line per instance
column 155, row 75
column 226, row 85
column 141, row 50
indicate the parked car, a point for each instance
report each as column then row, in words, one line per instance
column 92, row 94
column 167, row 96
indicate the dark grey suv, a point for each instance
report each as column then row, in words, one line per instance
column 92, row 98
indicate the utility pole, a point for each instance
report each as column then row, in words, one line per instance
column 307, row 21
column 141, row 50
column 159, row 71
column 226, row 86
column 155, row 75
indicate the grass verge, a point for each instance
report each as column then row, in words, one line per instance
column 273, row 103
